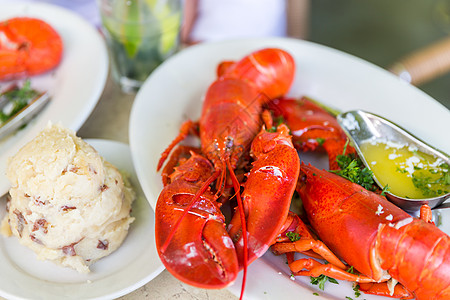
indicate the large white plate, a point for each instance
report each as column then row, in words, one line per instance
column 132, row 265
column 75, row 85
column 174, row 91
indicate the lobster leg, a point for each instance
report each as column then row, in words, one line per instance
column 304, row 245
column 178, row 156
column 315, row 269
column 185, row 129
column 382, row 289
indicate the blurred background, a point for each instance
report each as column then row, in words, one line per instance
column 383, row 31
column 379, row 31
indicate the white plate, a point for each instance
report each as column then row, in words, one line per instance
column 75, row 85
column 132, row 265
column 174, row 91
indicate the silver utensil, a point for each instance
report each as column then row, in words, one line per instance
column 23, row 116
column 361, row 126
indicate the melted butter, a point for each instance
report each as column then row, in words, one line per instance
column 408, row 172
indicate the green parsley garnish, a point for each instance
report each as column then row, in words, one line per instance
column 321, row 280
column 354, row 170
column 18, row 99
column 356, row 290
column 276, row 122
column 385, row 190
column 320, row 141
column 293, row 236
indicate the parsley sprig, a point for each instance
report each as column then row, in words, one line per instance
column 293, row 236
column 354, row 170
column 18, row 98
column 321, row 280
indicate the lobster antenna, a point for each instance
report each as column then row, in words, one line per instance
column 187, row 209
column 243, row 224
column 220, row 185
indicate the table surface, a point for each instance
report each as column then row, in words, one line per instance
column 109, row 120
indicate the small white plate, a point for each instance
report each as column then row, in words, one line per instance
column 132, row 265
column 173, row 93
column 74, row 86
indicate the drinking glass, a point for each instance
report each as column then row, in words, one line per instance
column 140, row 35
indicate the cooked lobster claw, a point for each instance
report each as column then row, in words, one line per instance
column 267, row 192
column 198, row 250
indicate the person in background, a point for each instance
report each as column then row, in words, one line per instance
column 214, row 20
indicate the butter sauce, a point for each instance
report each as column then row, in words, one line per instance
column 410, row 173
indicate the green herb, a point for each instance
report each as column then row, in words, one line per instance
column 18, row 99
column 320, row 141
column 353, row 169
column 293, row 236
column 347, row 297
column 356, row 290
column 321, row 280
column 425, row 184
column 351, row 270
column 385, row 190
column 316, row 294
column 276, row 122
column 401, row 170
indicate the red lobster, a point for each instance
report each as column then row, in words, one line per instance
column 28, row 46
column 312, row 127
column 190, row 230
column 375, row 237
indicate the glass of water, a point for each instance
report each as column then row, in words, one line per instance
column 140, row 35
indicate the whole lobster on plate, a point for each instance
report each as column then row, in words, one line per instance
column 192, row 238
column 28, row 46
column 365, row 230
